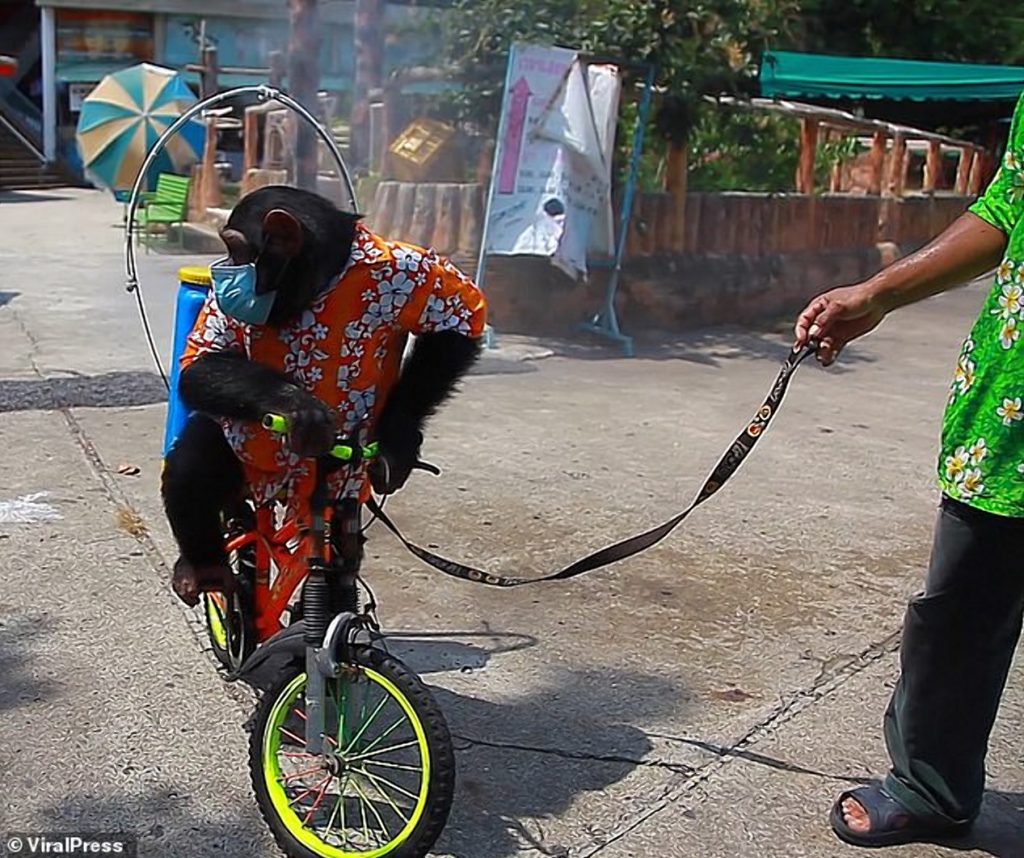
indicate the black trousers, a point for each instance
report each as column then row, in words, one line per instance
column 959, row 639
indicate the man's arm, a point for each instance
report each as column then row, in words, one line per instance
column 972, row 245
column 967, row 249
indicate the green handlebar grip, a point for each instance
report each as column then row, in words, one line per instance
column 275, row 422
column 343, row 452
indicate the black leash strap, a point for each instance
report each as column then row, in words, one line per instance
column 727, row 466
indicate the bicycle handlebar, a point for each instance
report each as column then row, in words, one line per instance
column 340, row 451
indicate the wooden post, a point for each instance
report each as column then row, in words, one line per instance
column 898, row 166
column 977, row 173
column 278, row 68
column 808, row 151
column 676, row 181
column 250, row 141
column 963, row 169
column 369, row 47
column 933, row 167
column 878, row 146
column 303, row 83
column 208, row 84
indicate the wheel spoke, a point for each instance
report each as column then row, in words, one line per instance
column 377, row 753
column 365, row 724
column 287, row 778
column 385, row 734
column 391, row 784
column 387, row 798
column 312, row 789
column 390, row 765
column 291, row 735
column 316, row 804
column 331, row 818
column 373, row 808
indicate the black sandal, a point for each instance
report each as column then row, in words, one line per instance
column 891, row 823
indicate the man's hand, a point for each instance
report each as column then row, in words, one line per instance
column 838, row 316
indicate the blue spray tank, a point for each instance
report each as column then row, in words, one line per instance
column 193, row 287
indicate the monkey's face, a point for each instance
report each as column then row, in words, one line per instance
column 277, row 245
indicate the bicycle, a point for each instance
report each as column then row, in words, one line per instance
column 349, row 754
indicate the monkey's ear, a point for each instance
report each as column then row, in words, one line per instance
column 237, row 245
column 284, row 231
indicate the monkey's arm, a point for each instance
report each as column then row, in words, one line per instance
column 429, row 376
column 228, row 384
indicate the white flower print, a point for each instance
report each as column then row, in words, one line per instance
column 320, row 331
column 973, row 484
column 1011, row 410
column 1011, row 161
column 1016, row 192
column 964, row 375
column 407, row 259
column 1005, row 272
column 1020, row 468
column 1010, row 301
column 978, row 451
column 1009, row 334
column 316, row 374
column 956, row 465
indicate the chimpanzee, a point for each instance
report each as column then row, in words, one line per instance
column 308, row 316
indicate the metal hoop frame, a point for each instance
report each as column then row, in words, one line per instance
column 264, row 93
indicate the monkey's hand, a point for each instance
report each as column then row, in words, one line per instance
column 311, row 423
column 400, row 441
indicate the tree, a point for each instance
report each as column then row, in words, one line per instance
column 303, row 84
column 956, row 30
column 697, row 46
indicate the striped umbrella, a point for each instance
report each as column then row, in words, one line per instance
column 124, row 116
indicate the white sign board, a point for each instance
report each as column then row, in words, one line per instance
column 551, row 186
column 77, row 93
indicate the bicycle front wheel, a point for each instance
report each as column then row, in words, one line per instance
column 384, row 786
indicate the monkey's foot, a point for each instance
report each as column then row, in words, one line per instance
column 189, row 581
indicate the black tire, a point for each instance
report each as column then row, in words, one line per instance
column 441, row 784
column 238, row 624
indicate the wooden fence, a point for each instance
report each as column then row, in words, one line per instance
column 449, row 217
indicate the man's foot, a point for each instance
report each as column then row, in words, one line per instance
column 189, row 581
column 869, row 816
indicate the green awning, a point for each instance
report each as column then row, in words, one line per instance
column 786, row 74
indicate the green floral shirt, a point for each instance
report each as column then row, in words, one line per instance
column 982, row 461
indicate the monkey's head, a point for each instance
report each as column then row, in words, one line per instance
column 298, row 240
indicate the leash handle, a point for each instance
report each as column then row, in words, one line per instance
column 722, row 472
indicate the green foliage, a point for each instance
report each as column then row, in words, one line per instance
column 697, row 46
column 738, row 150
column 968, row 30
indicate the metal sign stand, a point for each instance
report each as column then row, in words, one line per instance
column 606, row 321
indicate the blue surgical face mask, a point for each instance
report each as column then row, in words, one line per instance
column 235, row 289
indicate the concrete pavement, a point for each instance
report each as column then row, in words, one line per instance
column 707, row 698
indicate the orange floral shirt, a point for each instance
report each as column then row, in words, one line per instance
column 346, row 349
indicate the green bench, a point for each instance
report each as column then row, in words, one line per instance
column 167, row 205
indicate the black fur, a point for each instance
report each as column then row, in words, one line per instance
column 328, row 235
column 429, row 377
column 201, row 478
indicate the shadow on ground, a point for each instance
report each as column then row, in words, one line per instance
column 525, row 761
column 110, row 390
column 167, row 820
column 30, row 197
column 451, row 651
column 710, row 346
column 18, row 685
column 999, row 830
